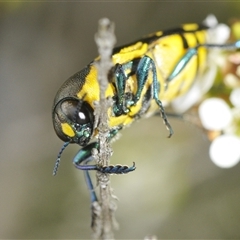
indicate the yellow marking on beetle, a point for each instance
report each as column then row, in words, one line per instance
column 120, row 120
column 178, row 87
column 162, row 53
column 159, row 33
column 129, row 53
column 90, row 89
column 67, row 129
column 190, row 27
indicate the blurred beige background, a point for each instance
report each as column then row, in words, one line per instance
column 176, row 191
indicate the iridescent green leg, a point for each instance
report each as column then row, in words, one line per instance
column 182, row 63
column 120, row 78
column 84, row 156
column 146, row 64
column 184, row 60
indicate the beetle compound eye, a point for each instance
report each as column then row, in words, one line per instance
column 83, row 116
column 77, row 112
column 69, row 108
column 76, row 119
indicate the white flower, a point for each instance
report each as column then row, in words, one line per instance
column 215, row 114
column 235, row 97
column 225, row 150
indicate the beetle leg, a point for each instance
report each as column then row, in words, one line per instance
column 84, row 156
column 116, row 169
column 182, row 63
column 88, row 180
column 146, row 64
column 194, row 51
column 120, row 79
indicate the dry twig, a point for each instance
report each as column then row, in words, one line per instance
column 103, row 211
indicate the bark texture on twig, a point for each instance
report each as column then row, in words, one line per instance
column 103, row 220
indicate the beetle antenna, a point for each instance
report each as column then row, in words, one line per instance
column 57, row 163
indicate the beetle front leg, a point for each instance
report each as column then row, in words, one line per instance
column 85, row 155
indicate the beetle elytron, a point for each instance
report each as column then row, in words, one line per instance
column 146, row 73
